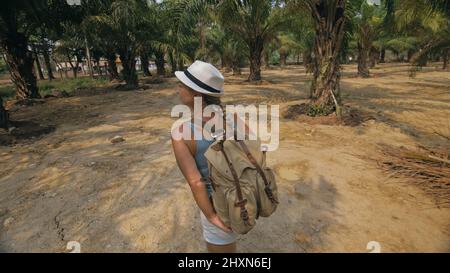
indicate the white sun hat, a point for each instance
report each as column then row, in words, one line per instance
column 203, row 78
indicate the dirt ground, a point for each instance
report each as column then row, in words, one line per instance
column 73, row 184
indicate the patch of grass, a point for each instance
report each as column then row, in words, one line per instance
column 46, row 87
column 311, row 110
column 315, row 110
column 70, row 85
column 7, row 91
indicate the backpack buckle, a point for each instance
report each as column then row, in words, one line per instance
column 244, row 216
column 241, row 203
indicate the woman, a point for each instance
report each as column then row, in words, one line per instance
column 202, row 80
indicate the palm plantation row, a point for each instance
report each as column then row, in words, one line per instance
column 323, row 34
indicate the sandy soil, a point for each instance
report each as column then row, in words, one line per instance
column 74, row 185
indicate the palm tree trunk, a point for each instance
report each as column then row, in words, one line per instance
column 374, row 54
column 38, row 66
column 228, row 62
column 255, row 60
column 88, row 58
column 325, row 91
column 112, row 67
column 173, row 64
column 423, row 60
column 75, row 71
column 159, row 61
column 236, row 68
column 79, row 60
column 48, row 65
column 20, row 63
column 363, row 68
column 410, row 55
column 4, row 119
column 74, row 68
column 307, row 60
column 267, row 59
column 59, row 69
column 144, row 65
column 97, row 66
column 82, row 68
column 283, row 58
column 446, row 57
column 129, row 69
column 180, row 64
column 382, row 56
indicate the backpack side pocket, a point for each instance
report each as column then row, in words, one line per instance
column 267, row 206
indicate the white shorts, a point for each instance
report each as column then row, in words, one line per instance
column 215, row 235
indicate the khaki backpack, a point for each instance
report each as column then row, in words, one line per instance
column 244, row 187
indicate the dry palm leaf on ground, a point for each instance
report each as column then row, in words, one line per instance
column 427, row 168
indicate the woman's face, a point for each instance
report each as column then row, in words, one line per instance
column 186, row 94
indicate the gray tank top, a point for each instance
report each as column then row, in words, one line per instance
column 200, row 159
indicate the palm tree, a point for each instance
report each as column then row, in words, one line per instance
column 102, row 36
column 328, row 19
column 17, row 20
column 402, row 44
column 125, row 25
column 367, row 22
column 233, row 55
column 158, row 44
column 429, row 21
column 303, row 33
column 255, row 22
column 223, row 46
column 287, row 45
column 71, row 47
column 204, row 23
column 387, row 28
column 177, row 31
column 44, row 46
column 160, row 29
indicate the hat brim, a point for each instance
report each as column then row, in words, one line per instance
column 184, row 79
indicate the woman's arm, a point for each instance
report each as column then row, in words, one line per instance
column 187, row 165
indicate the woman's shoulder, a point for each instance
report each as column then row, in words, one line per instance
column 182, row 135
column 182, row 131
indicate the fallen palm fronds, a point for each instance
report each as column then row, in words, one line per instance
column 427, row 168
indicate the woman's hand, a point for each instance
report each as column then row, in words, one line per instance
column 215, row 220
